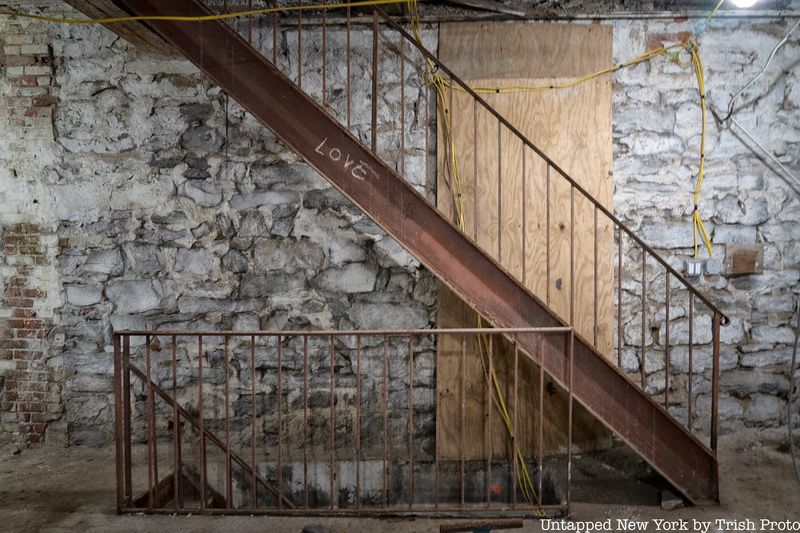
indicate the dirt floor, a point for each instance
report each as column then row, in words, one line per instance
column 72, row 489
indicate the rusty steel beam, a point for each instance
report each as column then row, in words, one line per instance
column 392, row 203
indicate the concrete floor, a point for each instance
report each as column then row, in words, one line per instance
column 55, row 489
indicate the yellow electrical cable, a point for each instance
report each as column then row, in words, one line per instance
column 440, row 85
column 697, row 223
column 205, row 18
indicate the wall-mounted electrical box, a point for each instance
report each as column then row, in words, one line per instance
column 694, row 267
column 744, row 259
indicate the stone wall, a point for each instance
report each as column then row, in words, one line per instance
column 156, row 208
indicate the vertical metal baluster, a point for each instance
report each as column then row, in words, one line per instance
column 436, row 430
column 332, row 474
column 118, row 431
column 250, row 23
column 176, row 430
column 358, row 421
column 488, row 474
column 715, row 381
column 410, row 423
column 152, row 476
column 203, row 466
column 540, row 440
column 619, row 297
column 385, row 406
column 325, row 56
column 300, row 48
column 691, row 341
column 279, row 400
column 474, row 166
column 375, row 38
column 569, row 418
column 462, row 395
column 275, row 35
column 594, row 329
column 644, row 319
column 226, row 385
column 253, row 419
column 499, row 192
column 348, row 63
column 402, row 108
column 514, row 426
column 427, row 133
column 572, row 255
column 666, row 344
column 126, row 398
column 524, row 219
column 547, row 233
column 305, row 420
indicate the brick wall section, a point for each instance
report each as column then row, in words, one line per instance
column 30, row 395
column 29, row 72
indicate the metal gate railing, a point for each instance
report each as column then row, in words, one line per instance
column 326, row 422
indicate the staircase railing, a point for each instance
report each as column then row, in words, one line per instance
column 400, row 138
column 322, row 422
column 668, row 341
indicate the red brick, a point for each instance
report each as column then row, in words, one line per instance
column 13, row 343
column 44, row 101
column 23, row 313
column 13, row 292
column 34, row 293
column 24, row 303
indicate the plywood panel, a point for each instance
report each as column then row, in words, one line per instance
column 506, row 190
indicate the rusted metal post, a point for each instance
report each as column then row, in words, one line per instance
column 487, row 422
column 540, row 440
column 620, row 340
column 691, row 342
column 514, row 425
column 594, row 263
column 410, row 423
column 715, row 381
column 547, row 235
column 203, row 466
column 358, row 418
column 254, row 467
column 226, row 385
column 666, row 343
column 644, row 319
column 279, row 416
column 385, row 412
column 126, row 399
column 118, row 426
column 305, row 421
column 438, row 411
column 176, row 431
column 374, row 108
column 332, row 438
column 462, row 425
column 569, row 420
column 152, row 455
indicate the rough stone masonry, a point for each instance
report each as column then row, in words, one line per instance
column 134, row 194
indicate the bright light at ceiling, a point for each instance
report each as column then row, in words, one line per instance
column 744, row 3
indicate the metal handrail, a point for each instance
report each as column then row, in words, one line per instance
column 429, row 55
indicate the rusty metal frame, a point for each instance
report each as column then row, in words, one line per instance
column 167, row 494
column 403, row 213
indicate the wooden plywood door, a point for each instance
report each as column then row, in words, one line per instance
column 511, row 198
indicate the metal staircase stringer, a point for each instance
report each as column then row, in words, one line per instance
column 408, row 217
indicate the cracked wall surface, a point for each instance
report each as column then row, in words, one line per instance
column 143, row 207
